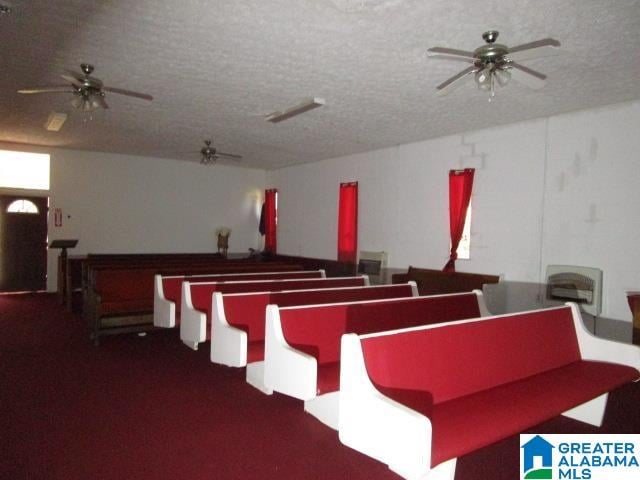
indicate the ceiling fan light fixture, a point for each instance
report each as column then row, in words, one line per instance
column 503, row 76
column 95, row 104
column 483, row 79
column 76, row 102
column 482, row 75
column 208, row 159
column 87, row 105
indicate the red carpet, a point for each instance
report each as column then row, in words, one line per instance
column 148, row 408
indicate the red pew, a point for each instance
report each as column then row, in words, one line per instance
column 238, row 320
column 302, row 344
column 480, row 381
column 195, row 311
column 167, row 294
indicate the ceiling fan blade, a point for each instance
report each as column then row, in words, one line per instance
column 229, row 155
column 438, row 56
column 51, row 89
column 542, row 48
column 545, row 42
column 452, row 83
column 449, row 51
column 128, row 93
column 540, row 52
column 72, row 80
column 527, row 76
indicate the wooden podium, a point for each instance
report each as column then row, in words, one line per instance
column 62, row 265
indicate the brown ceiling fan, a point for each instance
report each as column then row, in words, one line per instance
column 88, row 92
column 494, row 63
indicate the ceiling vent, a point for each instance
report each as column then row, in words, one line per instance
column 305, row 106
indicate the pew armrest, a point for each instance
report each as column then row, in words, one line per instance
column 164, row 311
column 287, row 370
column 228, row 343
column 600, row 349
column 482, row 305
column 193, row 323
column 376, row 425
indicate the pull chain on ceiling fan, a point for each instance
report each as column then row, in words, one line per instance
column 494, row 63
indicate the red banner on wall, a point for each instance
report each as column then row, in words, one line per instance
column 348, row 222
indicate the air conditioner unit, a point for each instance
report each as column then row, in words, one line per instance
column 570, row 283
column 373, row 264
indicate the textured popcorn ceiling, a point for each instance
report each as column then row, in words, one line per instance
column 216, row 67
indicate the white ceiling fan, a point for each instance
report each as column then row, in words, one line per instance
column 88, row 92
column 494, row 63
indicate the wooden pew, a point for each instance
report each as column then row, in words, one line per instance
column 161, row 260
column 238, row 320
column 120, row 299
column 102, row 275
column 434, row 282
column 73, row 283
column 167, row 292
column 334, row 268
column 195, row 311
column 302, row 344
column 176, row 266
column 480, row 381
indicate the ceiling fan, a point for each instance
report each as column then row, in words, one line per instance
column 494, row 63
column 88, row 92
column 210, row 154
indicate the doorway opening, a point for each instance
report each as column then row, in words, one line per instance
column 23, row 243
column 23, row 221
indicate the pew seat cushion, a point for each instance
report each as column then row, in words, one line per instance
column 465, row 424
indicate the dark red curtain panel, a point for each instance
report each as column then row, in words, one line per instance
column 348, row 222
column 460, row 186
column 270, row 220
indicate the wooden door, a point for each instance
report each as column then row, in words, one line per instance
column 23, row 243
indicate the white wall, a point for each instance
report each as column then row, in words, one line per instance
column 592, row 199
column 124, row 204
column 556, row 190
column 127, row 204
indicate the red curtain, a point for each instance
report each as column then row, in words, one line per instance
column 270, row 220
column 460, row 186
column 348, row 222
